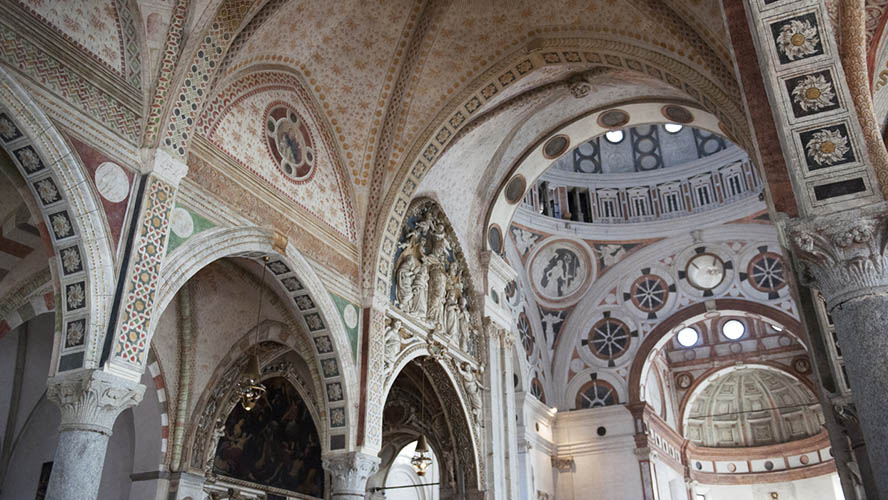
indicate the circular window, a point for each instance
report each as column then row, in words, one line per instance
column 766, row 272
column 596, row 394
column 688, row 337
column 673, row 128
column 526, row 333
column 614, row 136
column 609, row 338
column 649, row 293
column 733, row 329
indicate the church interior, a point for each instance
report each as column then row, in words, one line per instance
column 443, row 249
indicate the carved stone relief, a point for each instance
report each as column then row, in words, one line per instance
column 432, row 286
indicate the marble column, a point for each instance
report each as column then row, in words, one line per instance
column 349, row 472
column 844, row 256
column 90, row 402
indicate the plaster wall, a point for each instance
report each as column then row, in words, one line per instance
column 668, row 482
column 606, row 465
column 825, row 487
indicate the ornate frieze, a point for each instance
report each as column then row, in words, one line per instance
column 91, row 400
column 843, row 254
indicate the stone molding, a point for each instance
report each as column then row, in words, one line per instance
column 350, row 472
column 843, row 254
column 91, row 400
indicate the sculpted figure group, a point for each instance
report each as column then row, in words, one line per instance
column 429, row 282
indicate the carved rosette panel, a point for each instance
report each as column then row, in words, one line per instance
column 93, row 399
column 431, row 283
column 843, row 254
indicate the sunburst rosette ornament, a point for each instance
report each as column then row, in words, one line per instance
column 827, row 147
column 813, row 93
column 798, row 39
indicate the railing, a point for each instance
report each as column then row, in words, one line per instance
column 699, row 186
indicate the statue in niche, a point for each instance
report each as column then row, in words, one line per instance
column 449, row 478
column 419, row 303
column 395, row 338
column 451, row 314
column 465, row 325
column 406, row 276
column 437, row 294
column 472, row 383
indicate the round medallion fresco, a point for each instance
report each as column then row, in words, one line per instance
column 560, row 271
column 289, row 142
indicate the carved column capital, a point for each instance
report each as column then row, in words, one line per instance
column 844, row 254
column 350, row 472
column 91, row 400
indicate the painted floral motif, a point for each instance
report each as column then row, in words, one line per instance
column 74, row 335
column 798, row 39
column 330, row 368
column 334, row 392
column 47, row 191
column 61, row 226
column 75, row 296
column 71, row 260
column 324, row 345
column 7, row 129
column 29, row 160
column 827, row 147
column 813, row 93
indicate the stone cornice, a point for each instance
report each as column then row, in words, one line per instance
column 842, row 254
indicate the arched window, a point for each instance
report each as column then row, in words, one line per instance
column 596, row 394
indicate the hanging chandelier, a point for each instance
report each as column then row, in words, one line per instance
column 421, row 461
column 250, row 388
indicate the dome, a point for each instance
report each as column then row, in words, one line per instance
column 751, row 407
column 643, row 148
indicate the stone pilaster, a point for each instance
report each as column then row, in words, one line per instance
column 493, row 417
column 844, row 256
column 90, row 402
column 132, row 319
column 350, row 472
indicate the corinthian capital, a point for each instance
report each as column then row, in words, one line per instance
column 91, row 400
column 350, row 472
column 843, row 254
